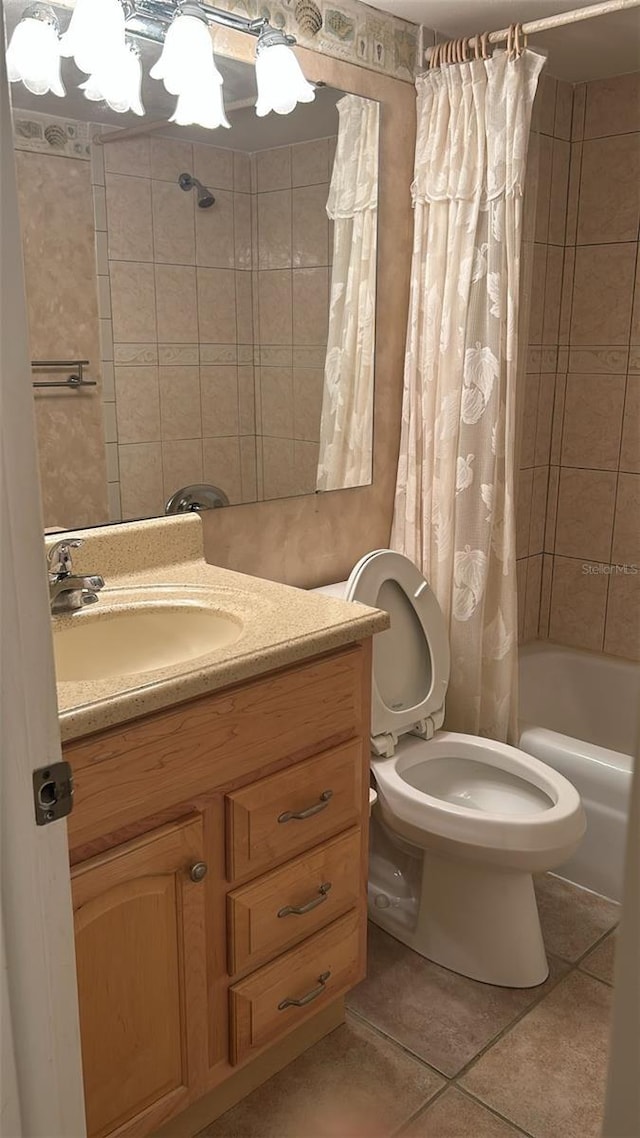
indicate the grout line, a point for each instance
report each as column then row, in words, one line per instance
column 596, row 944
column 403, row 1047
column 549, row 987
column 403, row 1127
column 492, row 1110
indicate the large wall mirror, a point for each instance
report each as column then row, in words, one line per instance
column 220, row 286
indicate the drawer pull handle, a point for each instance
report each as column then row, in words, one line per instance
column 198, row 872
column 300, row 815
column 300, row 910
column 310, row 996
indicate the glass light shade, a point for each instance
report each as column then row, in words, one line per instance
column 281, row 83
column 200, row 104
column 96, row 33
column 118, row 82
column 188, row 69
column 186, row 45
column 33, row 56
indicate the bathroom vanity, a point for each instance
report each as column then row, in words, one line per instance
column 218, row 842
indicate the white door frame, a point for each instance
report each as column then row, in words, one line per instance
column 41, row 1092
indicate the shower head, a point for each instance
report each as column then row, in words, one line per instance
column 205, row 197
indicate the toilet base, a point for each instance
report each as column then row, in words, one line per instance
column 473, row 919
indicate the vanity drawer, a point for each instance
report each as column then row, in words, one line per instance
column 279, row 996
column 139, row 769
column 273, row 819
column 285, row 906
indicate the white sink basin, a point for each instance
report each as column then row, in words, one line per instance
column 109, row 642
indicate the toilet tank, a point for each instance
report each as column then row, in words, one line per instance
column 338, row 589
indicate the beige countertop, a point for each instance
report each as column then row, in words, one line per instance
column 280, row 625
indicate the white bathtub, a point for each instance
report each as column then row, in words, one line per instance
column 579, row 713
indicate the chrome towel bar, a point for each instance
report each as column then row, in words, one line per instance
column 75, row 380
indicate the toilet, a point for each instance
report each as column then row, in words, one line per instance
column 461, row 822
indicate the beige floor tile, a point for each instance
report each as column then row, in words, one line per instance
column 548, row 1073
column 353, row 1074
column 600, row 963
column 455, row 1115
column 444, row 1018
column 572, row 918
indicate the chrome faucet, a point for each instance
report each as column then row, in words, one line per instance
column 67, row 591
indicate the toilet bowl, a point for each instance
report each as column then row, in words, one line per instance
column 461, row 823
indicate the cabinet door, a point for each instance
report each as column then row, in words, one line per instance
column 140, row 956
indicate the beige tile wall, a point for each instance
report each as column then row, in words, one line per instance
column 545, row 221
column 179, row 338
column 581, row 429
column 62, row 305
column 315, row 538
column 208, row 309
column 291, row 290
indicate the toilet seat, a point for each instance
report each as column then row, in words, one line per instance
column 411, row 660
column 539, row 811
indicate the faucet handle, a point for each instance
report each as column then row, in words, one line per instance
column 59, row 557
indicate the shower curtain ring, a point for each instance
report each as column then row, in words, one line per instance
column 510, row 38
column 484, row 44
column 465, row 49
column 521, row 40
column 434, row 58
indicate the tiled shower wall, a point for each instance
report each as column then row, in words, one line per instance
column 292, row 306
column 179, row 329
column 545, row 221
column 585, row 568
column 191, row 299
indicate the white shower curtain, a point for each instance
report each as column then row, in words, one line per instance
column 454, row 505
column 346, row 425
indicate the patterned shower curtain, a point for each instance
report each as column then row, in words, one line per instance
column 346, row 424
column 454, row 505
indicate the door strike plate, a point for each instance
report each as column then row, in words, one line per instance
column 52, row 792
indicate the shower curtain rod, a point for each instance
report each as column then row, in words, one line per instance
column 558, row 21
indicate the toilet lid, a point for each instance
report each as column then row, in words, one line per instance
column 410, row 659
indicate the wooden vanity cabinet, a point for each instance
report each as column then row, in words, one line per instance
column 139, row 918
column 219, row 867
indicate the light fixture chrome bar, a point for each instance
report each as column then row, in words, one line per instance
column 150, row 18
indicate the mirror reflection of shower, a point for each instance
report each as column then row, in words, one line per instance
column 189, row 182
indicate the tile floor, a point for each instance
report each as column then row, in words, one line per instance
column 425, row 1053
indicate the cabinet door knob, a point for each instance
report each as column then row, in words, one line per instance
column 198, row 871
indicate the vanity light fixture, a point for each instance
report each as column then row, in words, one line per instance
column 118, row 82
column 97, row 39
column 33, row 56
column 95, row 36
column 188, row 69
column 281, row 83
